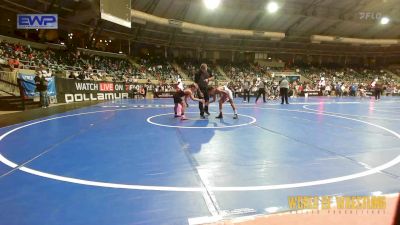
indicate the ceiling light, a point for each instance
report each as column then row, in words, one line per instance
column 212, row 4
column 272, row 7
column 385, row 20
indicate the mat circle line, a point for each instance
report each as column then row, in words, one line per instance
column 253, row 120
column 368, row 172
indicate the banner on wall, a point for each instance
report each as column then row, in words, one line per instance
column 29, row 87
column 291, row 77
column 69, row 90
column 311, row 93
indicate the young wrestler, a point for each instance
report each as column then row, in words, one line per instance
column 178, row 88
column 225, row 95
column 181, row 96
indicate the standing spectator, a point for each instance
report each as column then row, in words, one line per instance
column 339, row 90
column 322, row 85
column 378, row 89
column 353, row 90
column 343, row 89
column 295, row 89
column 261, row 89
column 246, row 91
column 41, row 86
column 284, row 89
column 328, row 90
column 147, row 87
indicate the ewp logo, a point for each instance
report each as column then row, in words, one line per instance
column 37, row 21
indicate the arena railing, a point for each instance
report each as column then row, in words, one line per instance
column 46, row 45
column 27, row 65
column 9, row 83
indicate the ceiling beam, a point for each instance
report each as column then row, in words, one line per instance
column 180, row 16
column 355, row 6
column 149, row 8
column 304, row 11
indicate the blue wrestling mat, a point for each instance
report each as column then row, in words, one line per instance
column 132, row 162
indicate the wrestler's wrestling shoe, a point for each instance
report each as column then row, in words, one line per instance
column 219, row 116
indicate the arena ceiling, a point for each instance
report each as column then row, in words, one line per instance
column 298, row 19
column 295, row 18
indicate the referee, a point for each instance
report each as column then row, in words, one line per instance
column 284, row 89
column 201, row 78
column 261, row 89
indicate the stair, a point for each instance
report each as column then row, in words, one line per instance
column 137, row 66
column 133, row 62
column 181, row 72
column 395, row 76
column 14, row 103
column 222, row 72
column 304, row 77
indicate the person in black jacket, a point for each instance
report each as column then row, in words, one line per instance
column 41, row 86
column 377, row 85
column 261, row 89
column 202, row 78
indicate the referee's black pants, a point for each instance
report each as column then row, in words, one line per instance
column 377, row 93
column 203, row 94
column 246, row 95
column 261, row 91
column 284, row 95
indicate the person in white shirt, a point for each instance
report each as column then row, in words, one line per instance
column 180, row 84
column 328, row 90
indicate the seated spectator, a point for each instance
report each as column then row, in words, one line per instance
column 71, row 75
column 81, row 76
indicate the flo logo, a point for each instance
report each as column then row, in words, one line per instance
column 37, row 21
column 370, row 15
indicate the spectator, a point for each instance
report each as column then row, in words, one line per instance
column 41, row 86
column 246, row 91
column 261, row 89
